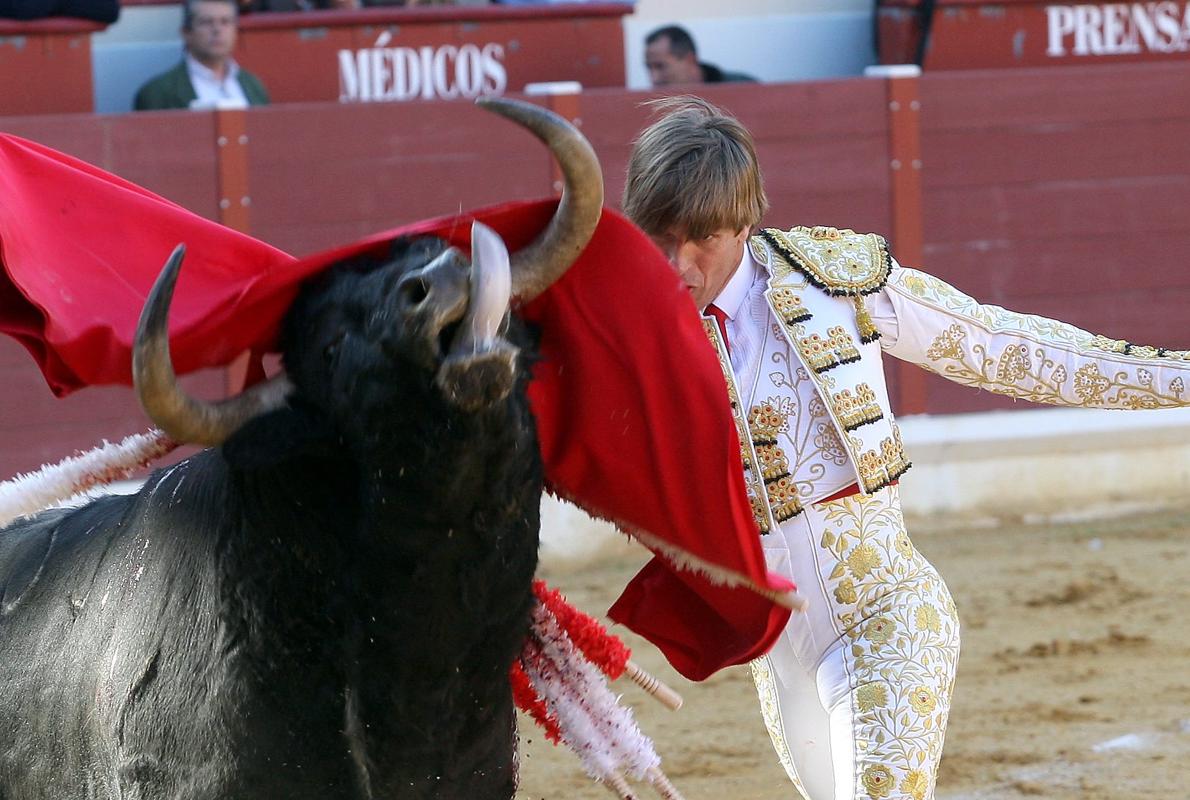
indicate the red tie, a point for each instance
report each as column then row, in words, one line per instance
column 720, row 317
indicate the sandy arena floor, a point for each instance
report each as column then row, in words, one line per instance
column 1074, row 680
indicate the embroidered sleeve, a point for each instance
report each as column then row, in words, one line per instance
column 932, row 324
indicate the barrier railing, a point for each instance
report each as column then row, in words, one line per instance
column 1057, row 191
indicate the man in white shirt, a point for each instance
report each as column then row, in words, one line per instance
column 208, row 76
column 856, row 693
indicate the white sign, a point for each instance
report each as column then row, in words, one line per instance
column 1110, row 29
column 447, row 72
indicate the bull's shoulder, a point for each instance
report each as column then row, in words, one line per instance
column 44, row 547
column 20, row 540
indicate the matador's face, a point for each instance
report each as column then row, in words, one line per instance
column 705, row 263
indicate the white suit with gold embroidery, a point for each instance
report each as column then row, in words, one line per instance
column 856, row 693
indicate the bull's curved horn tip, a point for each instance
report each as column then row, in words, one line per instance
column 536, row 266
column 182, row 417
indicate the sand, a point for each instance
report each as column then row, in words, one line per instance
column 1074, row 679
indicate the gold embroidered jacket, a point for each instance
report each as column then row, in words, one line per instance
column 838, row 299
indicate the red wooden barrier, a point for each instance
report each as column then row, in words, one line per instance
column 440, row 52
column 981, row 34
column 1062, row 192
column 169, row 152
column 46, row 66
column 1053, row 191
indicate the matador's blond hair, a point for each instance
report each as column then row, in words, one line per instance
column 694, row 170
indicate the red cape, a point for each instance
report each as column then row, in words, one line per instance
column 629, row 398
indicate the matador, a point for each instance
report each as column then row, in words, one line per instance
column 856, row 692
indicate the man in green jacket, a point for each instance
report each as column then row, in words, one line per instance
column 207, row 76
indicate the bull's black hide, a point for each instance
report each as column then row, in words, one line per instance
column 324, row 607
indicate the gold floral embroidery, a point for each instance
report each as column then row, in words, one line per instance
column 819, row 355
column 949, row 344
column 760, row 252
column 773, row 463
column 879, row 630
column 863, row 560
column 789, row 306
column 859, row 409
column 845, row 592
column 927, row 619
column 870, row 696
column 893, row 455
column 1089, row 384
column 915, row 784
column 765, row 422
column 1032, row 358
column 1014, row 363
column 922, row 700
column 841, row 262
column 783, row 498
column 903, row 642
column 878, row 781
column 843, row 345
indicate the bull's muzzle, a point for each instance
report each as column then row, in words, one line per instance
column 480, row 366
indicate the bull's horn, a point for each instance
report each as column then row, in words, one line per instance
column 537, row 266
column 182, row 417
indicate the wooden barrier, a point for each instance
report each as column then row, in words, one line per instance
column 433, row 52
column 1055, row 191
column 1062, row 192
column 993, row 34
column 46, row 66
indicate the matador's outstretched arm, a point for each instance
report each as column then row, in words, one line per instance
column 930, row 323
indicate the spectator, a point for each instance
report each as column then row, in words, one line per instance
column 207, row 76
column 672, row 59
column 99, row 10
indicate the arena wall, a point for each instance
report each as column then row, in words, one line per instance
column 1055, row 191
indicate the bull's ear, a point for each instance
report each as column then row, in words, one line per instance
column 278, row 436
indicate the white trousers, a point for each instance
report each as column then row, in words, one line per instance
column 856, row 692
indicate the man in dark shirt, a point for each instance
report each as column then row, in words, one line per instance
column 672, row 59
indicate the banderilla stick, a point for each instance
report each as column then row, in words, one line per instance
column 652, row 685
column 663, row 786
column 615, row 781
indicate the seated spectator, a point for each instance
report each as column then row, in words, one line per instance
column 672, row 59
column 207, row 76
column 99, row 10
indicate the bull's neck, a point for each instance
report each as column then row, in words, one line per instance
column 449, row 538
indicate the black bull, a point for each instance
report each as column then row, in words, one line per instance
column 326, row 604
